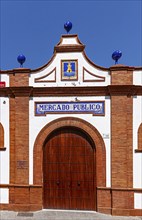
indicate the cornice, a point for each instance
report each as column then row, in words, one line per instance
column 4, row 92
column 21, row 91
column 65, row 48
column 111, row 90
column 15, row 71
column 120, row 67
column 69, row 91
column 16, row 91
column 69, row 48
column 70, row 36
column 128, row 90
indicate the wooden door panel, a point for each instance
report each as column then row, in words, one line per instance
column 68, row 171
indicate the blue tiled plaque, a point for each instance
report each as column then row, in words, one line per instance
column 69, row 70
column 93, row 107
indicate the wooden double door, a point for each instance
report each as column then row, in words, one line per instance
column 69, row 171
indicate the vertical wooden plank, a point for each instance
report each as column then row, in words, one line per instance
column 69, row 169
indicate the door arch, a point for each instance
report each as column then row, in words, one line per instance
column 87, row 128
column 1, row 136
column 69, row 170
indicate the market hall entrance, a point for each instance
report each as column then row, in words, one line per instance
column 69, row 170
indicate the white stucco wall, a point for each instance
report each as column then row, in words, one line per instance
column 137, row 77
column 92, row 72
column 137, row 159
column 4, row 196
column 137, row 200
column 137, row 120
column 5, row 78
column 101, row 123
column 4, row 155
column 81, row 63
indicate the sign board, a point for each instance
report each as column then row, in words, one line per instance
column 2, row 84
column 92, row 107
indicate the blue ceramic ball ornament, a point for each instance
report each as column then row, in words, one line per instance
column 21, row 59
column 68, row 26
column 116, row 55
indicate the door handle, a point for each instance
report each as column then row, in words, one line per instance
column 78, row 183
column 58, row 182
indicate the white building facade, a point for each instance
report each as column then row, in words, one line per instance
column 71, row 135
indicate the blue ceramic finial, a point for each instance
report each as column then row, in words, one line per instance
column 21, row 59
column 68, row 26
column 116, row 55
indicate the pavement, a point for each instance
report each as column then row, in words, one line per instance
column 61, row 215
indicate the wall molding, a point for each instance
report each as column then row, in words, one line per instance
column 127, row 90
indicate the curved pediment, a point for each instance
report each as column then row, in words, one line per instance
column 69, row 66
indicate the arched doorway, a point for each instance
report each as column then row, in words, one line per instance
column 85, row 128
column 69, row 170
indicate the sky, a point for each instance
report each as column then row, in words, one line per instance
column 34, row 27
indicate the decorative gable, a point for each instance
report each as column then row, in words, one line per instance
column 47, row 78
column 91, row 77
column 69, row 66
